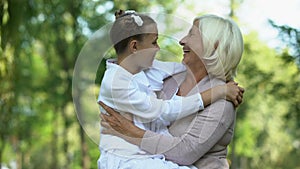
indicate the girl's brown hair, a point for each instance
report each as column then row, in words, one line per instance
column 126, row 28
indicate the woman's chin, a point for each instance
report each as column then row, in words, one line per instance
column 183, row 61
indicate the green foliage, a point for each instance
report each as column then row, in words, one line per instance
column 40, row 42
column 290, row 54
column 263, row 135
column 291, row 37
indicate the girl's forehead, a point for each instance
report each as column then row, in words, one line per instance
column 152, row 36
column 151, row 28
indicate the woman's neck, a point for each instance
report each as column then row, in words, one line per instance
column 192, row 78
column 126, row 62
column 196, row 74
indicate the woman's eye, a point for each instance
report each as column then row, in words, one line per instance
column 190, row 33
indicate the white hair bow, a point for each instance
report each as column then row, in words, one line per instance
column 137, row 19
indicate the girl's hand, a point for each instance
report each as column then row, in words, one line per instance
column 234, row 93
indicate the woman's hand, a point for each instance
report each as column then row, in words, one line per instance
column 234, row 93
column 118, row 125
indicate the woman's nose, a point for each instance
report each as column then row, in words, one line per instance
column 182, row 41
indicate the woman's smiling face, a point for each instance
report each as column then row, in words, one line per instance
column 192, row 45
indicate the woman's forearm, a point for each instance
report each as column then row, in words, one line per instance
column 198, row 140
column 116, row 124
column 130, row 132
column 126, row 130
column 134, row 135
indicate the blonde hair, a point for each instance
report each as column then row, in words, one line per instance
column 222, row 44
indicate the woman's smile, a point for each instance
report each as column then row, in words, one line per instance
column 186, row 50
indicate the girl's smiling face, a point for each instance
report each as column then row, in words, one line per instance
column 147, row 48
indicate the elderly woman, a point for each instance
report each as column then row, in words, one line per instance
column 212, row 51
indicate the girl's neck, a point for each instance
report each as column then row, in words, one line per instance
column 126, row 62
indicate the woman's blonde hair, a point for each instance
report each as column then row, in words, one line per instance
column 222, row 44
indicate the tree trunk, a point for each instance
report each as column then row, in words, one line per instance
column 233, row 164
column 84, row 151
column 85, row 160
column 19, row 158
column 65, row 139
column 54, row 152
column 1, row 150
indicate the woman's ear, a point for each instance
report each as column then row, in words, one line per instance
column 216, row 45
column 133, row 46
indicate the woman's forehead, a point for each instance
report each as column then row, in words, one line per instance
column 196, row 22
column 195, row 26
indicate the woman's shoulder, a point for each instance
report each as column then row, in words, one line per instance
column 222, row 111
column 171, row 84
column 176, row 79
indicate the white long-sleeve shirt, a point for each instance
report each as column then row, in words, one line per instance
column 126, row 92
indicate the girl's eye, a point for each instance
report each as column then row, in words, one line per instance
column 154, row 43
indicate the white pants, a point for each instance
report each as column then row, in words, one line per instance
column 111, row 161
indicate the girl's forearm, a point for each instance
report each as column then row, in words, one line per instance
column 212, row 95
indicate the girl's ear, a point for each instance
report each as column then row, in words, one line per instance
column 132, row 46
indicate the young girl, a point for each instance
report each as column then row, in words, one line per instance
column 129, row 85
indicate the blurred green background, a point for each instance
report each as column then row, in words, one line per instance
column 41, row 39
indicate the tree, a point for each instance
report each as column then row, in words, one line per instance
column 290, row 55
column 39, row 44
column 260, row 121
